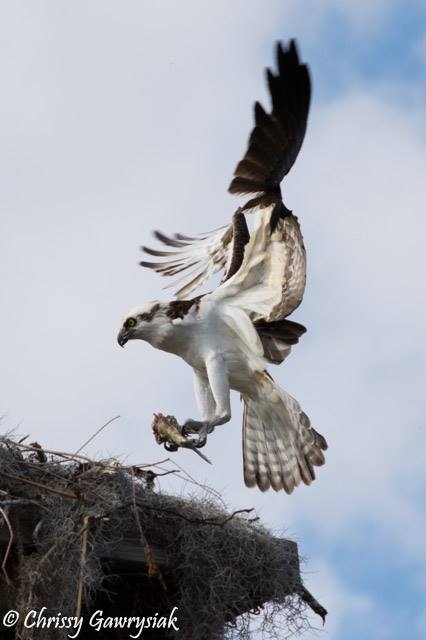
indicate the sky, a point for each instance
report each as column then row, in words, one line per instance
column 120, row 117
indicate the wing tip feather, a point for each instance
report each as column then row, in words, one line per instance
column 281, row 131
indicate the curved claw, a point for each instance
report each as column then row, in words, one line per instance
column 201, row 442
column 170, row 446
column 191, row 426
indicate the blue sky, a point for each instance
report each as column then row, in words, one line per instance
column 120, row 117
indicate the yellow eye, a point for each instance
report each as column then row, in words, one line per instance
column 130, row 322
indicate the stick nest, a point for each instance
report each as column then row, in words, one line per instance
column 63, row 515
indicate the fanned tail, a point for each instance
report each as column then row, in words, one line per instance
column 280, row 448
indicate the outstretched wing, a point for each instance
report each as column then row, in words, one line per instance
column 194, row 260
column 277, row 136
column 200, row 257
column 273, row 147
column 270, row 281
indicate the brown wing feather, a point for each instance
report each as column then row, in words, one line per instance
column 287, row 230
column 205, row 254
column 277, row 337
column 273, row 147
column 240, row 237
column 277, row 137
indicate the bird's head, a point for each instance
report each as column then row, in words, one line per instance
column 146, row 322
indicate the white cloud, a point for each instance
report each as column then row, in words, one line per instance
column 361, row 15
column 364, row 226
column 420, row 48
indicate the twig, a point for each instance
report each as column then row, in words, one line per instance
column 9, row 544
column 96, row 433
column 165, row 473
column 45, row 469
column 86, row 521
column 153, row 464
column 153, row 569
column 188, row 475
column 67, row 457
column 59, row 454
column 13, row 501
column 192, row 480
column 34, row 483
column 72, row 457
column 217, row 523
column 313, row 603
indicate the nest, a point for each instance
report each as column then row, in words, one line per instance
column 79, row 533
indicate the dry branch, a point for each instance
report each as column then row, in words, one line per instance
column 9, row 543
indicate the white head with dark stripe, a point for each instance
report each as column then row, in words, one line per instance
column 146, row 322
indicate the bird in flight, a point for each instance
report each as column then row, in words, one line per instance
column 230, row 335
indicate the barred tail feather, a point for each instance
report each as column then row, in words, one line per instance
column 280, row 448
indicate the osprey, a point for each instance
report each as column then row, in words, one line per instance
column 230, row 335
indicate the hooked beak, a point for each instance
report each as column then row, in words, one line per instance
column 122, row 337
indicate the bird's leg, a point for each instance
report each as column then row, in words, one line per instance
column 205, row 401
column 213, row 396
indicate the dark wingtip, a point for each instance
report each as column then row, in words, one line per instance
column 259, row 112
column 287, row 56
column 293, row 48
column 279, row 54
column 269, row 76
column 275, row 141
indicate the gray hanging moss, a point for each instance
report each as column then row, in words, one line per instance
column 81, row 535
